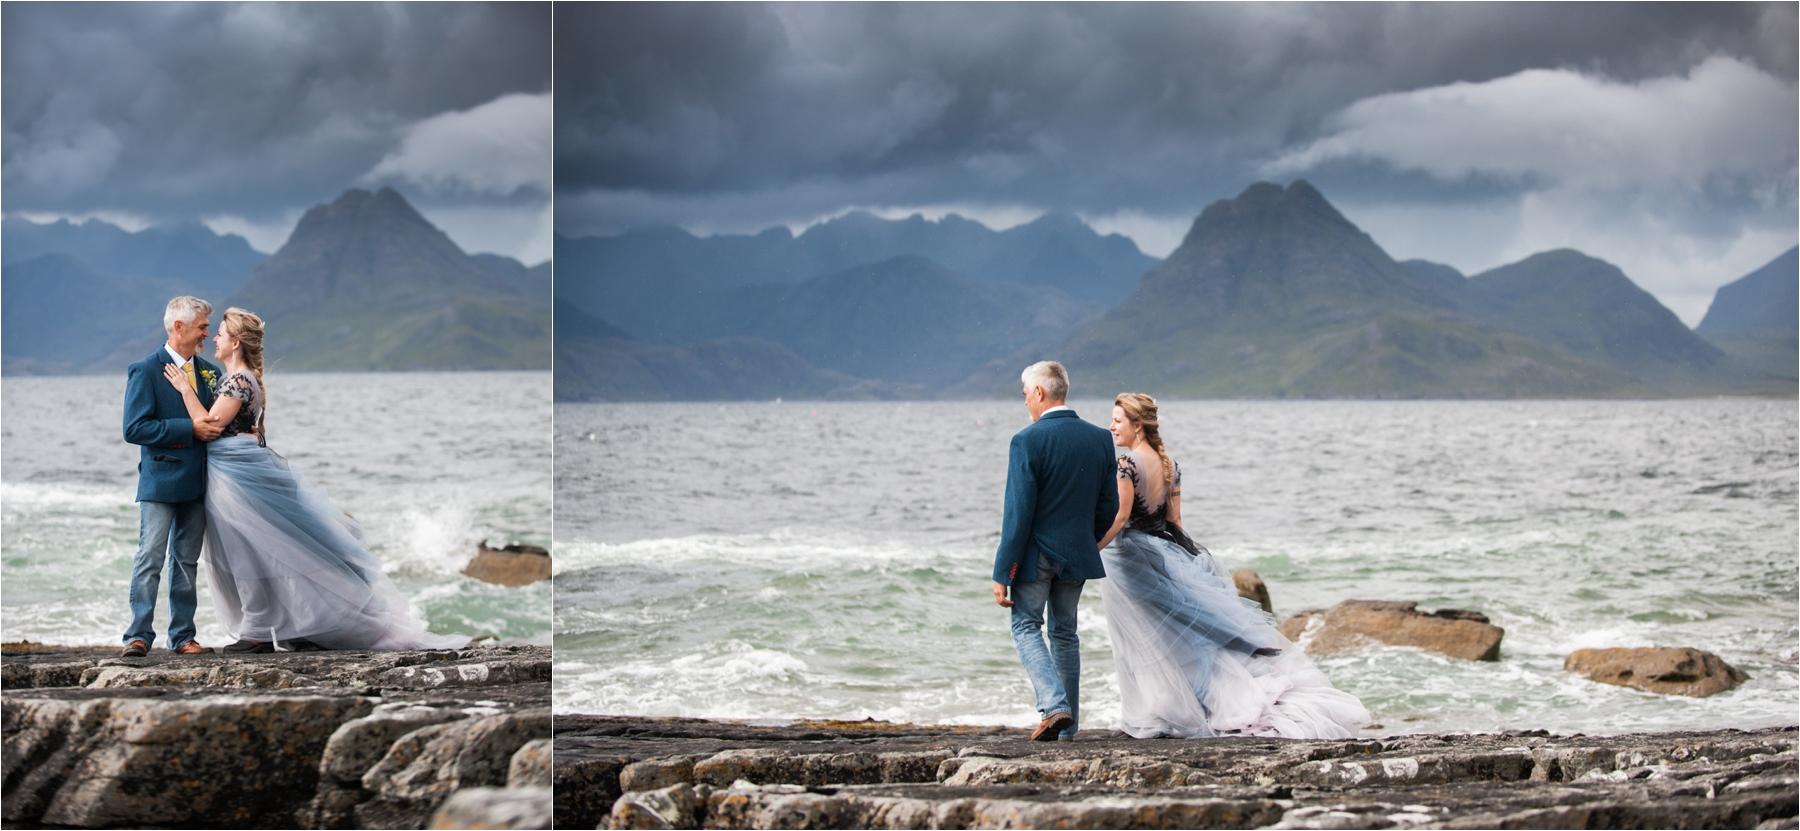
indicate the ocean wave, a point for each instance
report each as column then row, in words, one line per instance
column 790, row 549
column 18, row 496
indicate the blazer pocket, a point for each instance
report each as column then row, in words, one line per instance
column 170, row 460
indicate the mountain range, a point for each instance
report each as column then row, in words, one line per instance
column 1273, row 293
column 191, row 254
column 597, row 362
column 665, row 284
column 362, row 283
column 1754, row 319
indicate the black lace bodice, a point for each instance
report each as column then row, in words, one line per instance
column 243, row 387
column 1145, row 518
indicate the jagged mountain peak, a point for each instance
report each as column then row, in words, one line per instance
column 1059, row 219
column 382, row 217
column 1268, row 203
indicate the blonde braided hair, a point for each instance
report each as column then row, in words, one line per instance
column 1141, row 410
column 248, row 329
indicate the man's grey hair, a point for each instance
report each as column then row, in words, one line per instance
column 1051, row 376
column 184, row 309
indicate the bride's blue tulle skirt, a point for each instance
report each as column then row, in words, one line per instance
column 1185, row 647
column 285, row 564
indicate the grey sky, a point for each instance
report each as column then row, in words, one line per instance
column 1660, row 137
column 243, row 115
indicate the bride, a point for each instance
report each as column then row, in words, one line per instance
column 288, row 569
column 1193, row 658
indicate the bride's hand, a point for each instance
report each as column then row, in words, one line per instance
column 178, row 378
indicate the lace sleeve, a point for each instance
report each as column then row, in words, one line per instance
column 238, row 387
column 1128, row 469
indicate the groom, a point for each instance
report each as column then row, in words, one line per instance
column 1060, row 500
column 171, row 477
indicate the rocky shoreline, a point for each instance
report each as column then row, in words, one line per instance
column 624, row 772
column 342, row 739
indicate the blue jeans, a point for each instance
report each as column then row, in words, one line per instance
column 166, row 531
column 1055, row 671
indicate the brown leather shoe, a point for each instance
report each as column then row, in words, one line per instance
column 193, row 648
column 1052, row 725
column 136, row 649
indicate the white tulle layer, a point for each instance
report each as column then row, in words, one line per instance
column 1182, row 640
column 285, row 564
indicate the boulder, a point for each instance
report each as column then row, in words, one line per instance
column 655, row 774
column 676, row 806
column 514, row 565
column 280, row 740
column 1251, row 585
column 358, row 744
column 150, row 761
column 1668, row 670
column 494, row 808
column 427, row 765
column 1355, row 623
column 530, row 766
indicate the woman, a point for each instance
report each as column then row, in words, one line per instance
column 1195, row 659
column 288, row 570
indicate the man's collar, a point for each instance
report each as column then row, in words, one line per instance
column 1060, row 408
column 179, row 361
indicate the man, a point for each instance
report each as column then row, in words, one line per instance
column 171, row 477
column 1060, row 500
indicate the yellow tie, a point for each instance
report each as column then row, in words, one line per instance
column 189, row 366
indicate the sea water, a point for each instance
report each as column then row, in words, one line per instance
column 431, row 464
column 799, row 560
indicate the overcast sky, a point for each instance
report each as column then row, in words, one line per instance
column 244, row 115
column 1659, row 137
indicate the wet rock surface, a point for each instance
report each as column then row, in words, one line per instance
column 512, row 565
column 1666, row 670
column 1250, row 585
column 1351, row 624
column 312, row 740
column 495, row 808
column 616, row 772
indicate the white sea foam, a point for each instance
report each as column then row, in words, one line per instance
column 792, row 549
column 40, row 496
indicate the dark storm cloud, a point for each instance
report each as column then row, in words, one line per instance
column 748, row 113
column 180, row 111
column 1658, row 136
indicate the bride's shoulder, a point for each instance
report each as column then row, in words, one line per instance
column 242, row 383
column 1129, row 465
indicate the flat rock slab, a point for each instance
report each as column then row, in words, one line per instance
column 659, row 773
column 281, row 740
column 29, row 666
